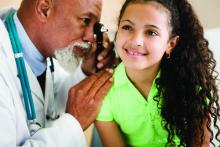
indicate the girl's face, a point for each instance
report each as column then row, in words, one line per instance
column 143, row 35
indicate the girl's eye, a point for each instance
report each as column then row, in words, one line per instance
column 127, row 27
column 151, row 33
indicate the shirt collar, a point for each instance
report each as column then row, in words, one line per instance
column 31, row 54
column 121, row 78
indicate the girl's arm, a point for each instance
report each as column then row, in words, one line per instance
column 109, row 134
column 206, row 139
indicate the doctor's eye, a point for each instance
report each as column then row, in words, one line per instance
column 86, row 21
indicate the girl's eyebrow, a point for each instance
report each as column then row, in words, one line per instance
column 146, row 26
column 151, row 26
column 127, row 20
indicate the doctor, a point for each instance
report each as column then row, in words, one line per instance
column 58, row 114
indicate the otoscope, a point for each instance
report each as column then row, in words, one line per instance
column 98, row 31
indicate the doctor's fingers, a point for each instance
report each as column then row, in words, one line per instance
column 101, row 93
column 93, row 102
column 90, row 80
column 99, row 87
column 108, row 47
column 81, row 90
column 108, row 62
column 93, row 106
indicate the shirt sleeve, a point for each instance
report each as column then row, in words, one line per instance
column 105, row 113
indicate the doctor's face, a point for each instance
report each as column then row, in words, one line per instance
column 71, row 24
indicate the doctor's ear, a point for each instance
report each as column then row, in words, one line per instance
column 43, row 9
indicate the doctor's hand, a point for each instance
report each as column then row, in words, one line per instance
column 106, row 58
column 85, row 98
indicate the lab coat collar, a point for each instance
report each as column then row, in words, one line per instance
column 34, row 84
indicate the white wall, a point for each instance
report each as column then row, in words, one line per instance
column 213, row 36
column 209, row 18
column 11, row 3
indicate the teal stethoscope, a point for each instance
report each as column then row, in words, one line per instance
column 22, row 73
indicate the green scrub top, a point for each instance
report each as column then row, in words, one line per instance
column 138, row 118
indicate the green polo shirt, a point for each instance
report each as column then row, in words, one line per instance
column 138, row 118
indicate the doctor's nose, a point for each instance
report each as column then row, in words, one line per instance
column 137, row 39
column 88, row 35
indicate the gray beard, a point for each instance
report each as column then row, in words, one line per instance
column 66, row 57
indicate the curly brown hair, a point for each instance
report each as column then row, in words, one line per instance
column 188, row 78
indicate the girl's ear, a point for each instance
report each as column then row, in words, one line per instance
column 43, row 9
column 172, row 43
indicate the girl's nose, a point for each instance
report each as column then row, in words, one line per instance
column 137, row 39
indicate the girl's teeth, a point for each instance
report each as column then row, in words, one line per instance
column 134, row 53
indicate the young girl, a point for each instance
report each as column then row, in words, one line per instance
column 164, row 91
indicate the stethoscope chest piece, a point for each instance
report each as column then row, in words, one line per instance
column 34, row 127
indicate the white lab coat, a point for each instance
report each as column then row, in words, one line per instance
column 62, row 132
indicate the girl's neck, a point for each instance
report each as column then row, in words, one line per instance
column 142, row 79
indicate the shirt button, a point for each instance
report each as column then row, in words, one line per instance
column 148, row 115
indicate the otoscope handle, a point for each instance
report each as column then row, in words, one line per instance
column 98, row 31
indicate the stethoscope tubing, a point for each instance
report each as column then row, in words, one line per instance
column 28, row 100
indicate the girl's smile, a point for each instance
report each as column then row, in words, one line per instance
column 134, row 53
